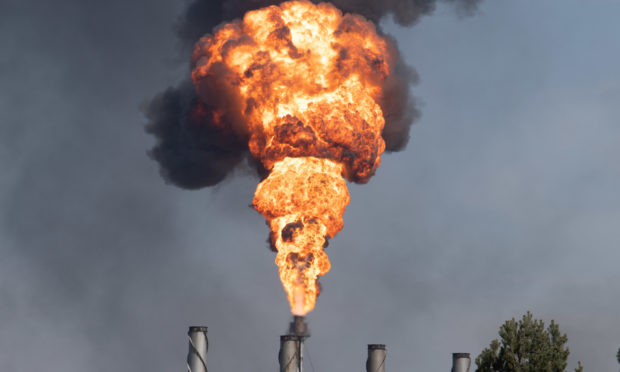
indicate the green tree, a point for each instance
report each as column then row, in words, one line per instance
column 526, row 346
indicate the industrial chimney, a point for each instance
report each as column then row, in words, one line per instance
column 291, row 356
column 376, row 358
column 198, row 346
column 460, row 362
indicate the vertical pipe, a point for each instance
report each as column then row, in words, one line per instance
column 460, row 362
column 290, row 352
column 198, row 346
column 376, row 358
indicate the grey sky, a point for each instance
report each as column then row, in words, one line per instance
column 505, row 200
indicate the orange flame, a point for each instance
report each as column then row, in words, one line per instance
column 305, row 81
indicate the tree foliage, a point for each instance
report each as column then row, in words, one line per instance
column 526, row 346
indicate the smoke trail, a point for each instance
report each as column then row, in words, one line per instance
column 195, row 152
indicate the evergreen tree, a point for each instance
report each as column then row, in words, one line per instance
column 526, row 346
column 579, row 367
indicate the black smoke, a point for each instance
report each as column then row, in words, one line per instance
column 202, row 15
column 193, row 152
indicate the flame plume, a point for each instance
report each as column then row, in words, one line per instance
column 306, row 82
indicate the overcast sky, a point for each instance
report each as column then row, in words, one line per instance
column 506, row 200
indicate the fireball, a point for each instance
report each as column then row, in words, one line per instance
column 303, row 82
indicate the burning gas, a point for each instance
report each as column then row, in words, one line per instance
column 307, row 82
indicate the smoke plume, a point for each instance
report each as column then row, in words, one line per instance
column 194, row 152
column 202, row 15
